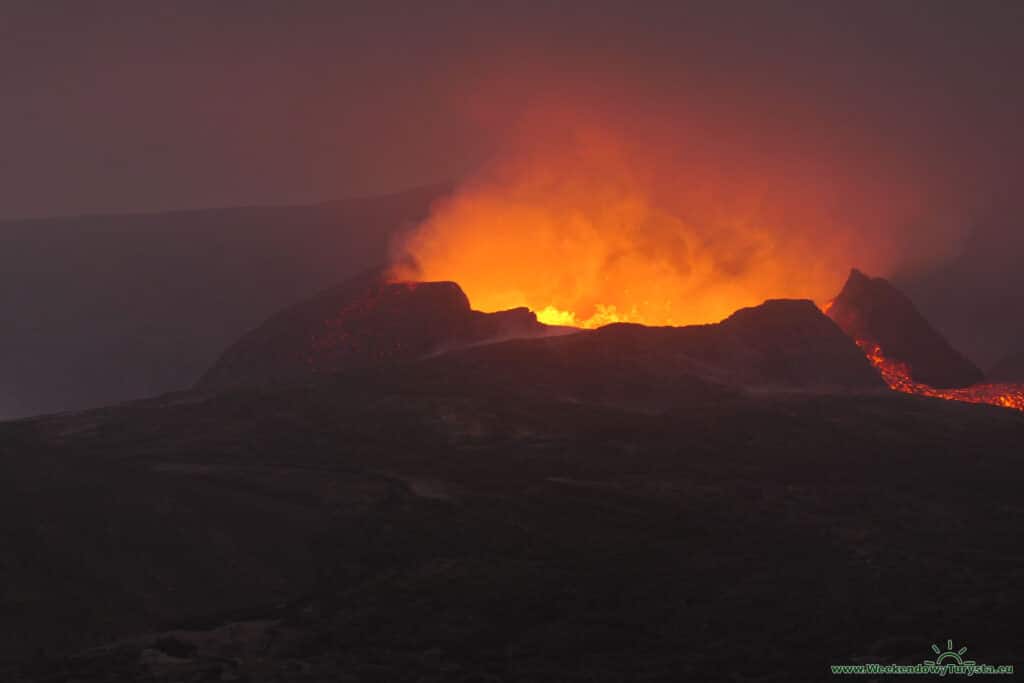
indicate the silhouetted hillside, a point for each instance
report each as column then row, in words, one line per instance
column 1009, row 369
column 780, row 345
column 365, row 323
column 873, row 310
column 975, row 298
column 370, row 323
column 99, row 309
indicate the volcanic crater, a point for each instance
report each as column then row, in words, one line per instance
column 869, row 337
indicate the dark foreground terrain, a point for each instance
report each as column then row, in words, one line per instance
column 419, row 524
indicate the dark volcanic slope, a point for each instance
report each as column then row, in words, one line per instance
column 871, row 309
column 1010, row 369
column 367, row 322
column 778, row 345
column 409, row 527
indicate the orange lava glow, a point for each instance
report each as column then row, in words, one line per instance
column 897, row 376
column 587, row 230
column 587, row 254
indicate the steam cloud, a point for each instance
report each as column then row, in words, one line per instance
column 595, row 213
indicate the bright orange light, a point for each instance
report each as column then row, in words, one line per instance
column 897, row 376
column 590, row 232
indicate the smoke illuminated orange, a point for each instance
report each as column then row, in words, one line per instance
column 586, row 252
column 585, row 229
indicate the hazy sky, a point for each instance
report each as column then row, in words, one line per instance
column 884, row 135
column 136, row 105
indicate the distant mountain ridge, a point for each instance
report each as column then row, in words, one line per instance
column 1009, row 369
column 106, row 308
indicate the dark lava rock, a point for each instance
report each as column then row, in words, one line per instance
column 873, row 310
column 1009, row 369
column 787, row 345
column 367, row 322
column 371, row 527
column 784, row 344
column 370, row 323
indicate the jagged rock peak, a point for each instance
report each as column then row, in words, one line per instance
column 873, row 310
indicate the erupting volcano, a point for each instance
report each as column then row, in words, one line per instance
column 587, row 227
column 574, row 229
column 587, row 230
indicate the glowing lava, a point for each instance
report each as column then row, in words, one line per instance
column 592, row 254
column 897, row 376
column 588, row 229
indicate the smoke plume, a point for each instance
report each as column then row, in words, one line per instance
column 594, row 211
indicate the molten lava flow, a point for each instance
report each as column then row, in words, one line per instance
column 897, row 376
